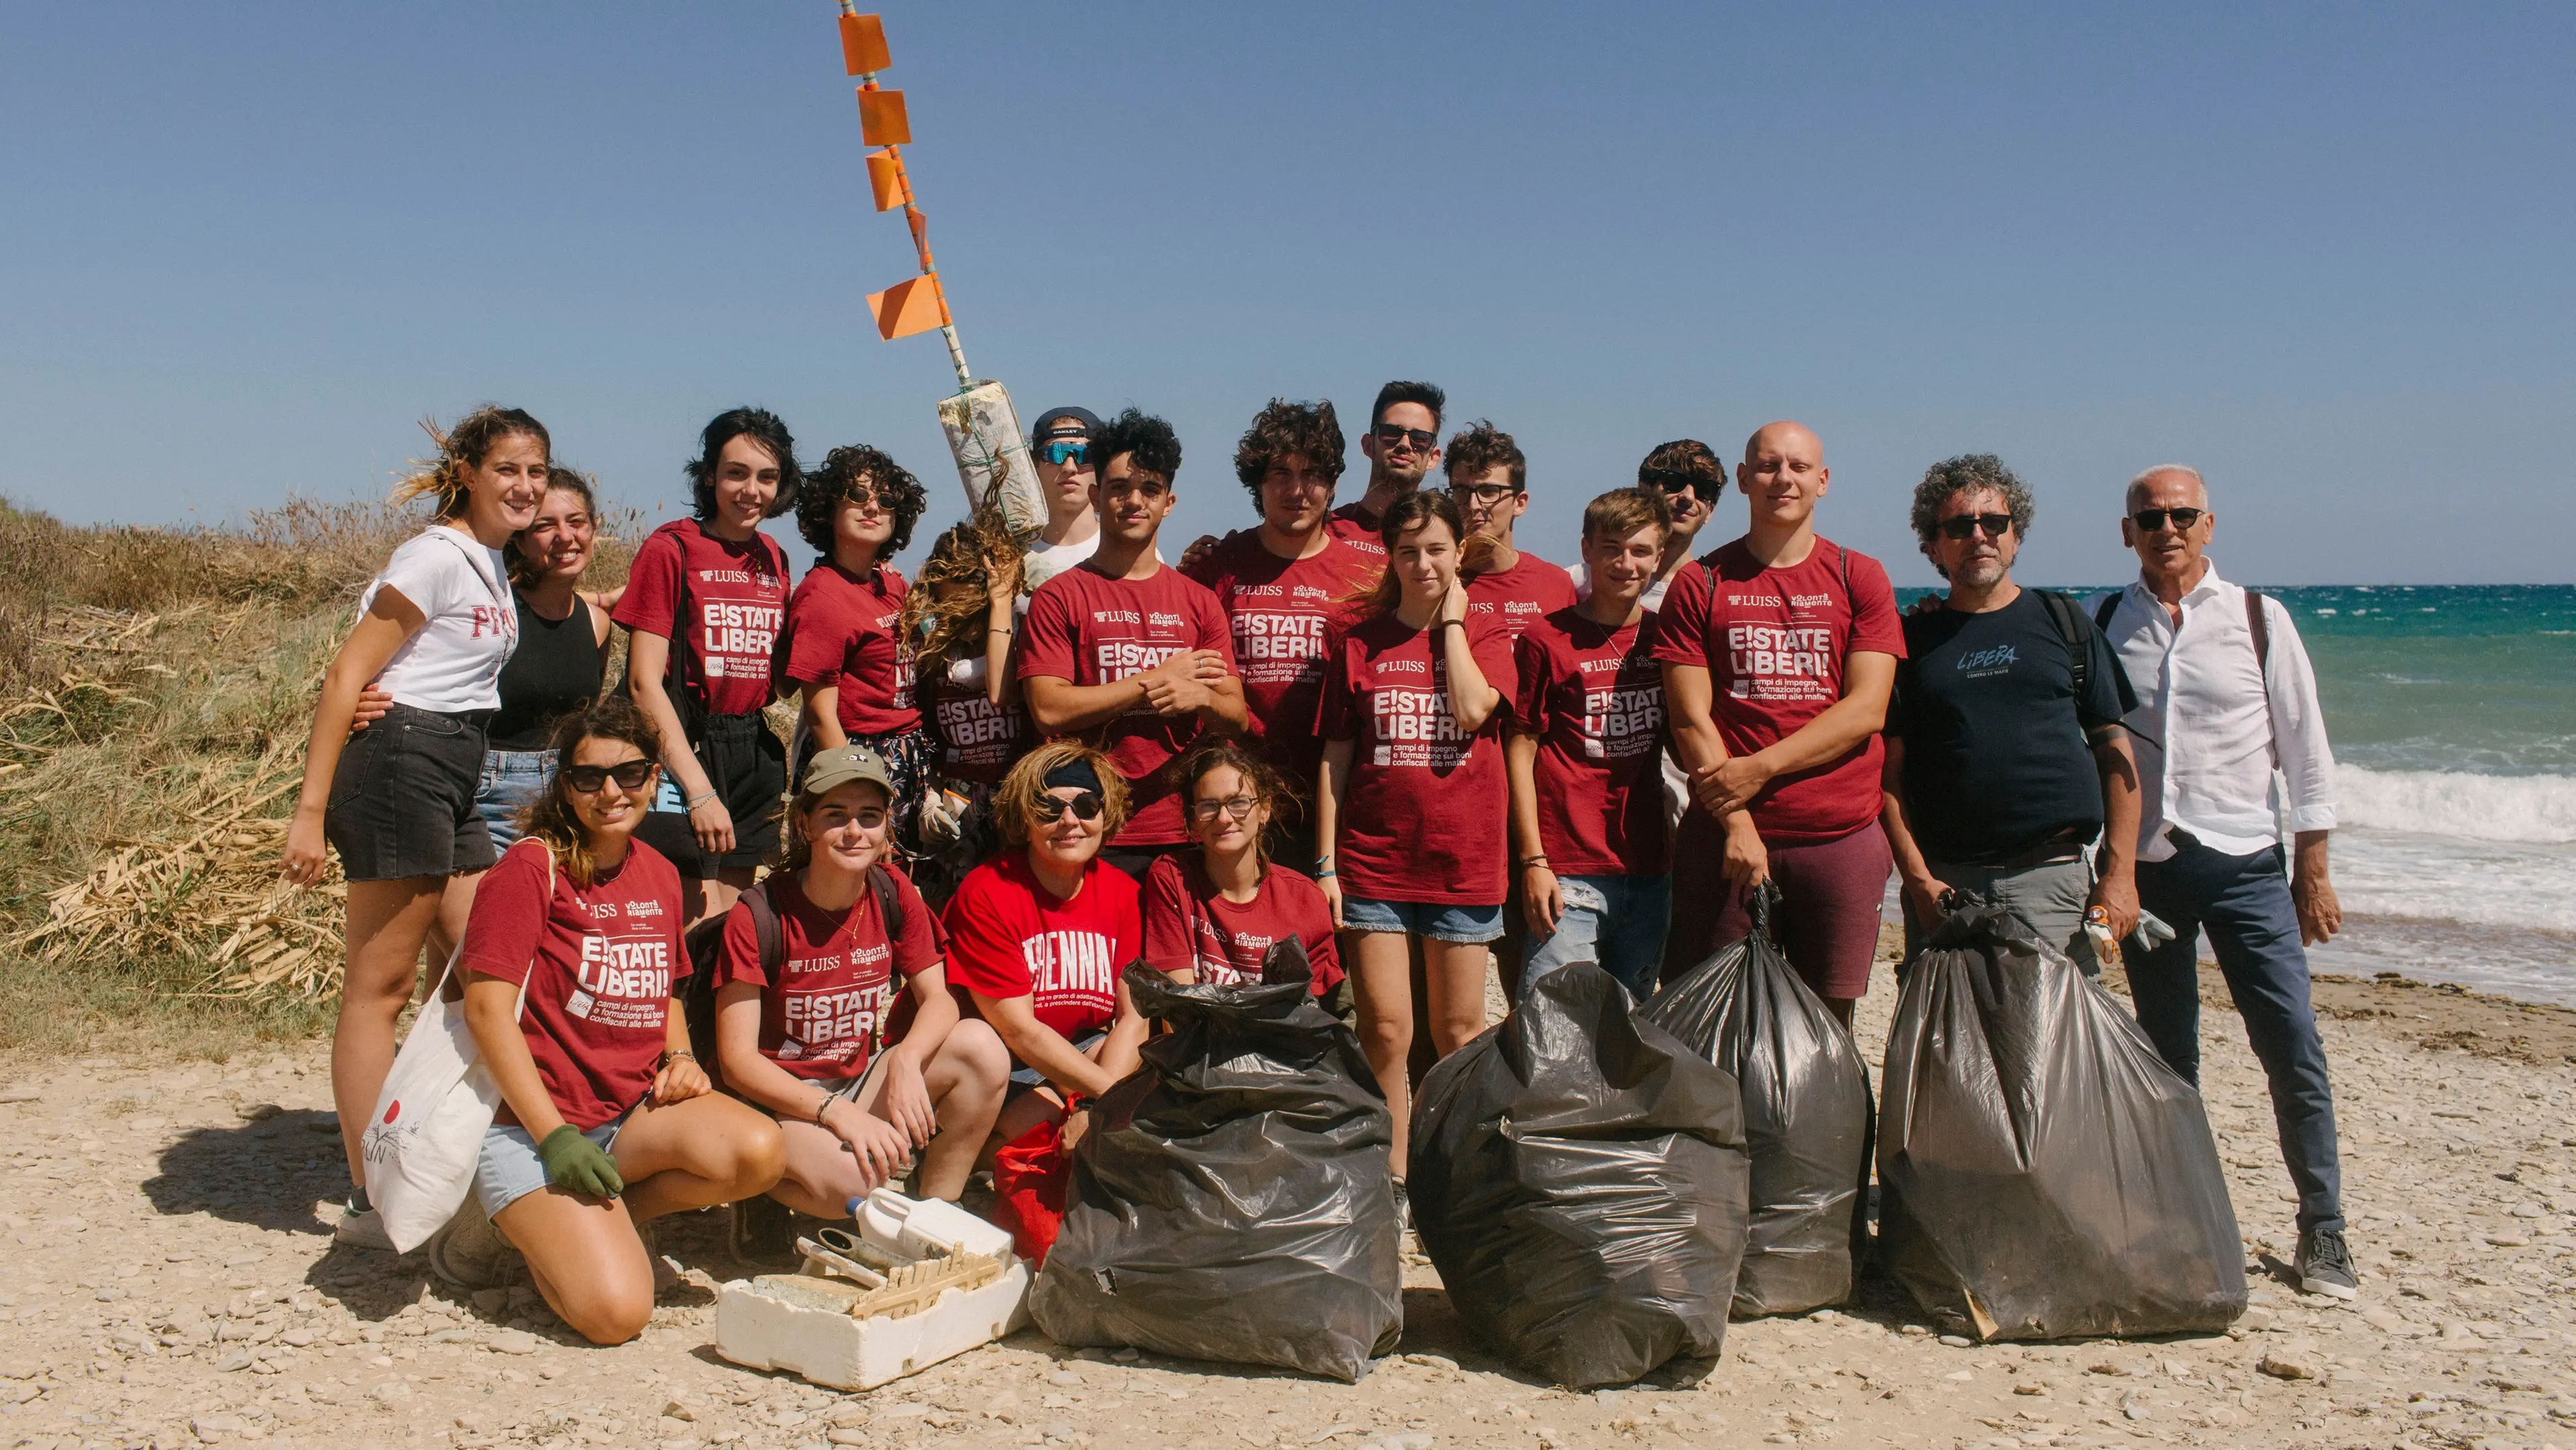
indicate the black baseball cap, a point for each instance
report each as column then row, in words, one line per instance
column 1052, row 417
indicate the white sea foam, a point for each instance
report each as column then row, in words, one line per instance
column 2540, row 809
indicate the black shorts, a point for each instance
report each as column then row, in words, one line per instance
column 402, row 799
column 746, row 766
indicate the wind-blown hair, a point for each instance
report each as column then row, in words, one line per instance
column 761, row 426
column 950, row 605
column 831, row 483
column 1284, row 428
column 462, row 447
column 1481, row 447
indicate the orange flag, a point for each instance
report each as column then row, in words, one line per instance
column 910, row 306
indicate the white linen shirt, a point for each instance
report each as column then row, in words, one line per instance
column 2211, row 730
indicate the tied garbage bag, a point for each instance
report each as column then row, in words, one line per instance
column 2044, row 1175
column 1807, row 1116
column 1231, row 1200
column 1578, row 1177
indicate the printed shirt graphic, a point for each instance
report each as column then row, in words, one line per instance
column 1094, row 630
column 1424, row 815
column 1593, row 697
column 1191, row 927
column 1520, row 596
column 1357, row 527
column 978, row 739
column 1007, row 938
column 737, row 596
column 836, row 994
column 841, row 633
column 1774, row 642
column 599, row 962
column 1282, row 612
column 469, row 622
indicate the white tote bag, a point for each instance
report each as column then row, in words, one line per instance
column 426, row 1138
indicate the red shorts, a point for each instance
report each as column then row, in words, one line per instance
column 1827, row 921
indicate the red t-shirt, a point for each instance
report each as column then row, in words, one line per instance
column 1774, row 642
column 599, row 962
column 1520, row 596
column 841, row 633
column 1282, row 611
column 1594, row 698
column 1190, row 926
column 836, row 998
column 1357, row 527
column 978, row 740
column 1423, row 818
column 1088, row 628
column 1008, row 938
column 737, row 599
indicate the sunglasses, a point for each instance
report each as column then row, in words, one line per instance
column 1237, row 806
column 1391, row 435
column 881, row 498
column 1993, row 526
column 2152, row 521
column 1051, row 808
column 1690, row 483
column 1062, row 453
column 587, row 779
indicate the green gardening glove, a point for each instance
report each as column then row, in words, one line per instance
column 578, row 1165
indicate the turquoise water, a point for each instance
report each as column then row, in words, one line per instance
column 2452, row 710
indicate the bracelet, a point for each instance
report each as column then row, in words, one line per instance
column 996, row 629
column 671, row 1057
column 821, row 1108
column 696, row 801
column 1535, row 861
column 1323, row 871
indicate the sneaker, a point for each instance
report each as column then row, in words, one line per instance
column 468, row 1251
column 362, row 1228
column 763, row 1231
column 2325, row 1265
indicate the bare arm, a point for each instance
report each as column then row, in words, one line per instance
column 648, row 655
column 390, row 619
column 1691, row 700
column 1868, row 676
column 1059, row 706
column 1332, row 783
column 1472, row 701
column 2115, row 888
column 1923, row 891
column 2312, row 890
column 822, row 712
column 492, row 1015
column 1540, row 899
column 1041, row 1046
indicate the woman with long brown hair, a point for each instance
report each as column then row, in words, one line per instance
column 958, row 619
column 434, row 630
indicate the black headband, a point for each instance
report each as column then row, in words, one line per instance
column 1077, row 774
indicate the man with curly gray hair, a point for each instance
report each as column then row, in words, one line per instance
column 2006, row 763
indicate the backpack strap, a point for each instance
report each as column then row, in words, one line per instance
column 2102, row 615
column 889, row 901
column 2070, row 628
column 2261, row 628
column 764, row 925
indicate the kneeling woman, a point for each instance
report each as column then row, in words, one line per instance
column 1212, row 915
column 606, row 1121
column 1040, row 933
column 816, row 1037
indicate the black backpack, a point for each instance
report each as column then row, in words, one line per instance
column 705, row 942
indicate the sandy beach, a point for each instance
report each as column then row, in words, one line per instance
column 170, row 1282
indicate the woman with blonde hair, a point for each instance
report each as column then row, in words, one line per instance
column 434, row 630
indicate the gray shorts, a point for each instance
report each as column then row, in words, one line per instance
column 509, row 1168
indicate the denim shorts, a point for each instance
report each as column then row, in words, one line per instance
column 509, row 1168
column 402, row 799
column 512, row 781
column 1465, row 925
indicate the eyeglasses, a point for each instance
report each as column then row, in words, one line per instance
column 1483, row 493
column 1051, row 808
column 587, row 779
column 1391, row 435
column 1690, row 483
column 1960, row 526
column 1237, row 806
column 2152, row 521
column 1061, row 453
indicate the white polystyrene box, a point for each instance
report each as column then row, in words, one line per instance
column 829, row 1347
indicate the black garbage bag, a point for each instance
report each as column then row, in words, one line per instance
column 1807, row 1117
column 1578, row 1178
column 1232, row 1200
column 2043, row 1174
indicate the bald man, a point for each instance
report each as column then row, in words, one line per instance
column 1778, row 653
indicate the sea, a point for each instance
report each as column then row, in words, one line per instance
column 2452, row 713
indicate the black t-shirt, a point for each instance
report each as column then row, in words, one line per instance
column 1995, row 759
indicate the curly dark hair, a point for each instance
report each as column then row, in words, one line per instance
column 1429, row 395
column 1684, row 460
column 841, row 471
column 939, row 620
column 1156, row 447
column 1284, row 428
column 1481, row 446
column 1967, row 473
column 764, row 428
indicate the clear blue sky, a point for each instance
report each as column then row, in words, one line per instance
column 2324, row 252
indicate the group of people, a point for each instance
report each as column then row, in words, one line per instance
column 1378, row 726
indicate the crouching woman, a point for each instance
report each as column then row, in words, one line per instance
column 858, row 1081
column 606, row 1121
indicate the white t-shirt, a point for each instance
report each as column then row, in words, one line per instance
column 1042, row 562
column 452, row 663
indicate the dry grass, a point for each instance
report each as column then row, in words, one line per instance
column 156, row 686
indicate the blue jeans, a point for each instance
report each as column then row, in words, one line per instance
column 1615, row 922
column 512, row 780
column 2244, row 904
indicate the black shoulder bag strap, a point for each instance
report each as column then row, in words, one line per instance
column 2070, row 628
column 889, row 901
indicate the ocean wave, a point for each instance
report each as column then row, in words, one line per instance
column 2540, row 809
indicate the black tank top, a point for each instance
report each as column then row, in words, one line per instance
column 557, row 665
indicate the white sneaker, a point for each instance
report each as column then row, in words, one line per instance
column 362, row 1230
column 468, row 1251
